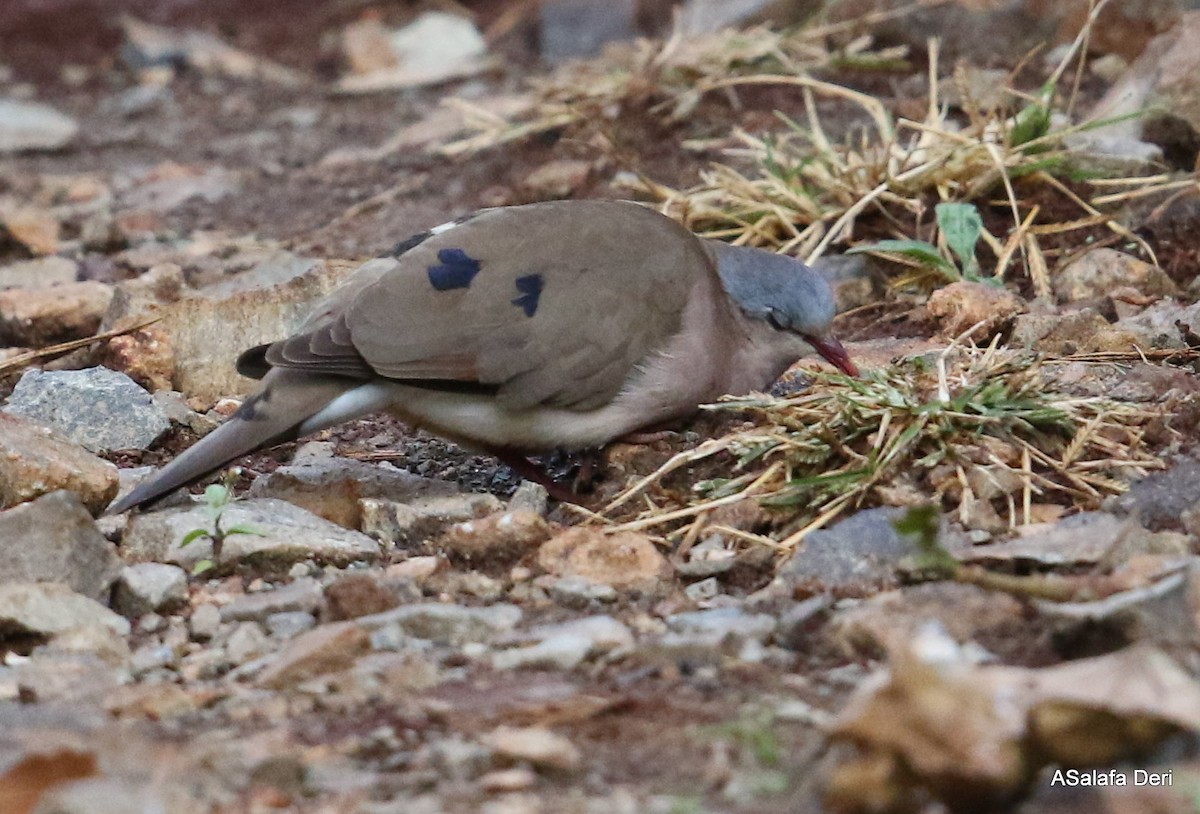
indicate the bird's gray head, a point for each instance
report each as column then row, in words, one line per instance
column 783, row 292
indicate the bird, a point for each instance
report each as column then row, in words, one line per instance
column 522, row 329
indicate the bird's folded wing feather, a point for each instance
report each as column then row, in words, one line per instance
column 547, row 304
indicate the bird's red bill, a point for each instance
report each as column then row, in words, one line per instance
column 835, row 353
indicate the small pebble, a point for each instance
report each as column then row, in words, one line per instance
column 287, row 624
column 205, row 622
column 704, row 589
column 507, row 780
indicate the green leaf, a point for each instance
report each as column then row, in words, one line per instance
column 921, row 524
column 962, row 226
column 192, row 536
column 216, row 496
column 244, row 530
column 924, row 253
column 1033, row 121
column 202, row 566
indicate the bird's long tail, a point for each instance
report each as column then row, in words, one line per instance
column 289, row 405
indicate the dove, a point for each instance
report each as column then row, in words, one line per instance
column 524, row 329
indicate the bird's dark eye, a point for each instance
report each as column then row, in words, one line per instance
column 778, row 319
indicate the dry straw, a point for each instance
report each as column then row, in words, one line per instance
column 979, row 429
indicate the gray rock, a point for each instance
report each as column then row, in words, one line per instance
column 565, row 645
column 891, row 619
column 1155, row 99
column 92, row 641
column 459, row 759
column 698, row 17
column 563, row 652
column 1159, row 501
column 137, row 100
column 146, row 587
column 334, row 487
column 48, row 608
column 302, row 595
column 246, row 642
column 579, row 593
column 1111, row 155
column 703, row 590
column 576, row 29
column 709, row 557
column 1078, row 540
column 313, row 452
column 1161, row 612
column 1156, row 327
column 448, row 624
column 799, row 620
column 41, row 272
column 152, row 656
column 391, row 637
column 284, row 534
column 79, row 679
column 102, row 795
column 205, row 622
column 301, row 569
column 55, row 539
column 531, row 497
column 148, row 45
column 856, row 557
column 28, row 127
column 434, row 47
column 151, row 623
column 290, row 623
column 97, row 408
column 205, row 664
column 176, row 409
column 721, row 624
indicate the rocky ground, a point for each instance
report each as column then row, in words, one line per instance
column 379, row 622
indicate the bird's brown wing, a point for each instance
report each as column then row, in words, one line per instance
column 548, row 303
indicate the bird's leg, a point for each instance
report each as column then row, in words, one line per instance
column 651, row 433
column 528, row 470
column 643, row 437
column 587, row 470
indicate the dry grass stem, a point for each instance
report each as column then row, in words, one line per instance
column 975, row 418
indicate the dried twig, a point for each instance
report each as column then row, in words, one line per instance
column 55, row 351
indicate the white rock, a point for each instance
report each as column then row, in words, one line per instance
column 28, row 126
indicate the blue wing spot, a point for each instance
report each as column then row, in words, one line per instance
column 456, row 270
column 530, row 288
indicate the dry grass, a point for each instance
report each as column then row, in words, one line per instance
column 974, row 429
column 670, row 77
column 805, row 188
column 800, row 191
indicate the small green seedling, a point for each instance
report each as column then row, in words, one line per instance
column 217, row 498
column 960, row 224
column 920, row 524
column 1033, row 121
